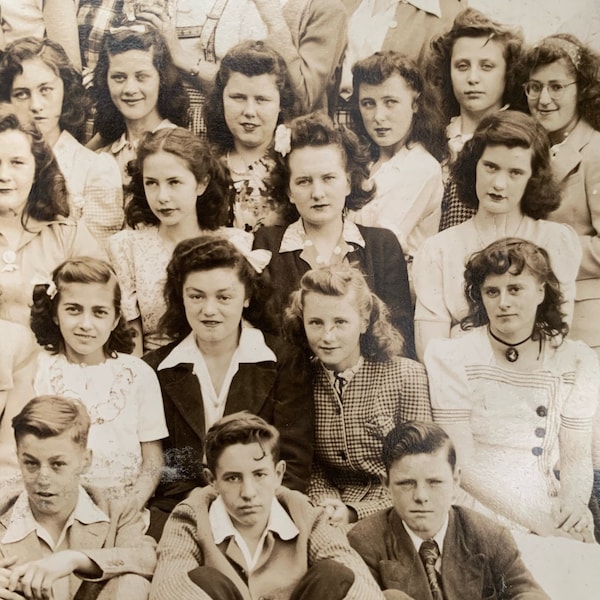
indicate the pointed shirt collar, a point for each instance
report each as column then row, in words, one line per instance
column 252, row 348
column 22, row 522
column 294, row 237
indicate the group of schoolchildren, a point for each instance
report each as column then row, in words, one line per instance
column 228, row 304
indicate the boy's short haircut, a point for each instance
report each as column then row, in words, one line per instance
column 49, row 416
column 240, row 428
column 416, row 437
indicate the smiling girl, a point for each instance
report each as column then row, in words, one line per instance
column 179, row 191
column 137, row 88
column 362, row 386
column 77, row 319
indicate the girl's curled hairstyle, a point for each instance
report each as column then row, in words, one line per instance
column 380, row 343
column 427, row 126
column 48, row 198
column 46, row 297
column 75, row 105
column 514, row 130
column 472, row 23
column 212, row 207
column 317, row 130
column 172, row 101
column 250, row 58
column 515, row 255
column 205, row 253
column 583, row 64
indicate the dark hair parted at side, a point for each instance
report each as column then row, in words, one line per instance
column 172, row 99
column 473, row 24
column 76, row 103
column 250, row 58
column 204, row 253
column 317, row 130
column 240, row 428
column 379, row 343
column 50, row 416
column 212, row 207
column 48, row 198
column 515, row 255
column 514, row 130
column 83, row 269
column 427, row 126
column 585, row 70
column 416, row 437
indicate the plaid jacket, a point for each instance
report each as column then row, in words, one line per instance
column 349, row 433
column 188, row 542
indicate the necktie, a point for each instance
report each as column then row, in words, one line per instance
column 429, row 553
column 339, row 382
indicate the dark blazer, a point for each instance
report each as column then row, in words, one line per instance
column 480, row 558
column 279, row 392
column 381, row 261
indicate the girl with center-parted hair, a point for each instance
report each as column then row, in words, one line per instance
column 43, row 87
column 504, row 172
column 325, row 174
column 251, row 97
column 219, row 364
column 179, row 191
column 36, row 234
column 474, row 68
column 136, row 88
column 392, row 109
column 518, row 399
column 77, row 319
column 362, row 386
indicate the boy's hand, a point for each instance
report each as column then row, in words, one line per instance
column 35, row 579
column 5, row 593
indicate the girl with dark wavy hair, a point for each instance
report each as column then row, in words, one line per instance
column 474, row 68
column 393, row 111
column 518, row 400
column 136, row 88
column 324, row 174
column 178, row 191
column 504, row 173
column 358, row 365
column 42, row 86
column 77, row 319
column 252, row 96
column 219, row 363
column 36, row 233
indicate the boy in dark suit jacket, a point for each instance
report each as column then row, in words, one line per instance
column 424, row 546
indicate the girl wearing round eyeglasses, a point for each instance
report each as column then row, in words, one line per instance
column 563, row 94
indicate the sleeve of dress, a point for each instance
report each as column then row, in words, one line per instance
column 178, row 553
column 451, row 397
column 590, row 244
column 565, row 257
column 319, row 488
column 428, row 282
column 120, row 252
column 415, row 404
column 326, row 542
column 83, row 243
column 319, row 51
column 103, row 210
column 293, row 417
column 151, row 414
column 579, row 408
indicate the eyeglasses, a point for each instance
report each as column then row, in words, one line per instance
column 533, row 89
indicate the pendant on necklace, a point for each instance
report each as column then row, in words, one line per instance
column 511, row 354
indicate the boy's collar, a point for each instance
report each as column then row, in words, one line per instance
column 222, row 526
column 22, row 522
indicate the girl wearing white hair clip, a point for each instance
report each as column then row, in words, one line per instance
column 220, row 364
